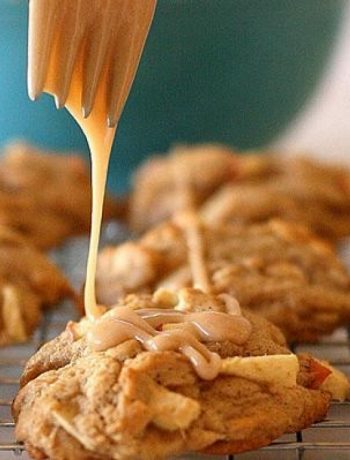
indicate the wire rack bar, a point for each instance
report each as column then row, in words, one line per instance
column 8, row 381
column 5, row 402
column 12, row 362
column 7, row 424
column 14, row 447
column 319, row 445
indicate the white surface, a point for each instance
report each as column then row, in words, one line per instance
column 323, row 126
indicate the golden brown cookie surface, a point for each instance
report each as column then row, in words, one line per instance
column 277, row 269
column 46, row 197
column 29, row 282
column 246, row 188
column 155, row 196
column 296, row 189
column 125, row 403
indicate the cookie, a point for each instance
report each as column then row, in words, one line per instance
column 247, row 188
column 277, row 269
column 296, row 189
column 303, row 191
column 125, row 401
column 29, row 282
column 46, row 196
column 155, row 197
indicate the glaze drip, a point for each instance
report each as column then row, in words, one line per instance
column 171, row 330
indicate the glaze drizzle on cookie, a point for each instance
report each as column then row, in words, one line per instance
column 172, row 330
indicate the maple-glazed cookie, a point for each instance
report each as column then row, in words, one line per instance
column 29, row 283
column 132, row 394
column 46, row 196
column 277, row 269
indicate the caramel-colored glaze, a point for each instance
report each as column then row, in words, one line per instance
column 123, row 323
column 210, row 326
column 191, row 224
column 86, row 53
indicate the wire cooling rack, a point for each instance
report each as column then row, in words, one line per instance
column 327, row 440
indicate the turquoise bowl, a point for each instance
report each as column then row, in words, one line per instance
column 233, row 71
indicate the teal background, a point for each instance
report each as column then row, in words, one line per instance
column 234, row 71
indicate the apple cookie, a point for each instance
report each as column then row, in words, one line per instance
column 165, row 374
column 29, row 282
column 246, row 188
column 155, row 196
column 299, row 190
column 46, row 197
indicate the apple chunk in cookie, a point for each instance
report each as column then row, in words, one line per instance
column 164, row 374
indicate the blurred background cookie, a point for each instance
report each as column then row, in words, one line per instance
column 29, row 283
column 277, row 269
column 249, row 188
column 46, row 196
